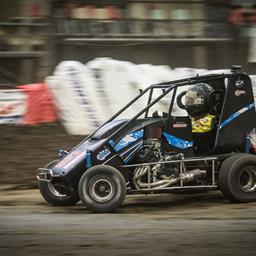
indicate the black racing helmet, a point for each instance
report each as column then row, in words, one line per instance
column 197, row 99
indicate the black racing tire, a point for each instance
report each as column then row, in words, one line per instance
column 179, row 100
column 52, row 195
column 237, row 178
column 102, row 188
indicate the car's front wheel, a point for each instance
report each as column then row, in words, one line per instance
column 54, row 193
column 102, row 188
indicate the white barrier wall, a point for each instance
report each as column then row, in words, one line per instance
column 87, row 95
column 113, row 83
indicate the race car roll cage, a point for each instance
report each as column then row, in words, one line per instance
column 166, row 87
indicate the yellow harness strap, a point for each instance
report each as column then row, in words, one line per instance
column 204, row 124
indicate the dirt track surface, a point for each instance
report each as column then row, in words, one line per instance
column 23, row 149
column 202, row 224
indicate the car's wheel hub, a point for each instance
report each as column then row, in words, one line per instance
column 247, row 180
column 101, row 189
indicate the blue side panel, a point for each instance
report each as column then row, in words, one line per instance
column 235, row 115
column 127, row 140
column 177, row 142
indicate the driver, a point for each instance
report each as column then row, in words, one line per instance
column 198, row 104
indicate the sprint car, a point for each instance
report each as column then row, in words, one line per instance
column 155, row 153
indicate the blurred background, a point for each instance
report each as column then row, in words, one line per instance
column 68, row 65
column 35, row 35
column 65, row 66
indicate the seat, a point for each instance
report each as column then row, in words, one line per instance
column 178, row 134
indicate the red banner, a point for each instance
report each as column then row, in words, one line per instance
column 40, row 106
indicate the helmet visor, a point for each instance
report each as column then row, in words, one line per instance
column 191, row 99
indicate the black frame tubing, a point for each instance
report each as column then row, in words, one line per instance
column 149, row 101
column 165, row 85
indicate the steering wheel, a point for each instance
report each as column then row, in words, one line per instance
column 179, row 100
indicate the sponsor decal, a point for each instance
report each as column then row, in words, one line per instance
column 102, row 155
column 240, row 83
column 180, row 125
column 240, row 92
column 205, row 120
column 127, row 140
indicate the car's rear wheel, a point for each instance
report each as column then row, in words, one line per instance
column 54, row 193
column 102, row 188
column 237, row 178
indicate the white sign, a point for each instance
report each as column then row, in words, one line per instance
column 12, row 106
